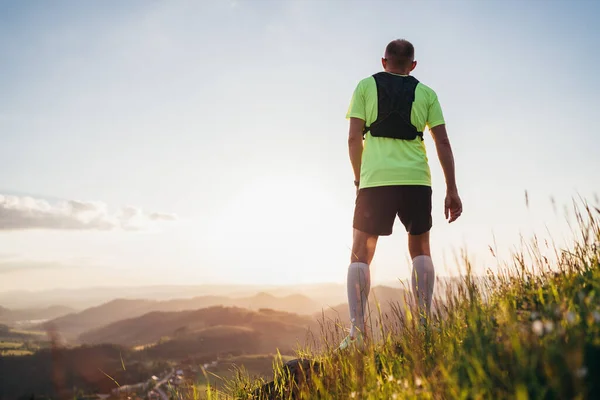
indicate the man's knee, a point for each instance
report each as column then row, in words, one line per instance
column 363, row 247
column 418, row 245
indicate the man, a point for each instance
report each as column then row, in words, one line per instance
column 389, row 111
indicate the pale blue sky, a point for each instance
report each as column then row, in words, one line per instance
column 230, row 114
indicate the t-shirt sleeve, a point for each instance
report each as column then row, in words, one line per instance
column 357, row 104
column 435, row 116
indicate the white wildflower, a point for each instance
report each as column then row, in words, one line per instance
column 404, row 383
column 394, row 396
column 596, row 315
column 418, row 382
column 390, row 378
column 548, row 326
column 537, row 327
column 570, row 317
column 581, row 372
column 353, row 395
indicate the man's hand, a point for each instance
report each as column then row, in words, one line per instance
column 452, row 206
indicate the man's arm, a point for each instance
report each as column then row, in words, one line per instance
column 355, row 144
column 453, row 205
column 444, row 152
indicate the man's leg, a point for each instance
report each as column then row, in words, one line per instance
column 423, row 272
column 414, row 211
column 359, row 279
column 374, row 216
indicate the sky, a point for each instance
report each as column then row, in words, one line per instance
column 184, row 142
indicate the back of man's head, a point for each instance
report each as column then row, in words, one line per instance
column 400, row 54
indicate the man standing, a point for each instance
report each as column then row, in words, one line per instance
column 389, row 111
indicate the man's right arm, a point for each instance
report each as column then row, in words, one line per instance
column 452, row 204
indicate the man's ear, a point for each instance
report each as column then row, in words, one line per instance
column 383, row 62
column 414, row 65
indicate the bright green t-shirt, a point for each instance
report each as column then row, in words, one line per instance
column 387, row 161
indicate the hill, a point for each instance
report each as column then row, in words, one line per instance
column 192, row 336
column 72, row 325
column 206, row 331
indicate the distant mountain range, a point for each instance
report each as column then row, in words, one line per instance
column 141, row 322
column 82, row 298
column 264, row 330
column 72, row 325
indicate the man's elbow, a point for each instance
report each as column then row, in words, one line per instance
column 442, row 142
column 354, row 140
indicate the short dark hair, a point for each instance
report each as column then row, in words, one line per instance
column 400, row 53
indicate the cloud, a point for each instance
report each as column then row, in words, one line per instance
column 24, row 212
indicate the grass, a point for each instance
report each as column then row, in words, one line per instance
column 10, row 345
column 531, row 331
column 230, row 369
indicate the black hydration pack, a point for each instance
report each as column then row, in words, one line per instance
column 395, row 96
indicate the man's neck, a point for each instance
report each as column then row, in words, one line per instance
column 397, row 71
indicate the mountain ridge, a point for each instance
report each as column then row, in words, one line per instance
column 74, row 324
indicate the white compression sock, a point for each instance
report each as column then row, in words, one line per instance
column 423, row 280
column 358, row 286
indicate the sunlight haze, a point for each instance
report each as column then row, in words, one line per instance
column 184, row 142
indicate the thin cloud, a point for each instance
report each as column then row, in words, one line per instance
column 24, row 212
column 162, row 216
column 24, row 265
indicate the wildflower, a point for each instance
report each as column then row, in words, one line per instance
column 537, row 327
column 418, row 382
column 352, row 395
column 394, row 396
column 581, row 372
column 548, row 326
column 404, row 383
column 596, row 315
column 570, row 317
column 390, row 378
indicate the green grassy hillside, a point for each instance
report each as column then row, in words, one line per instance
column 530, row 332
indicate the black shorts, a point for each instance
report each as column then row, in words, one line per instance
column 376, row 209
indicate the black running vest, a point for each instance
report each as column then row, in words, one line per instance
column 395, row 96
